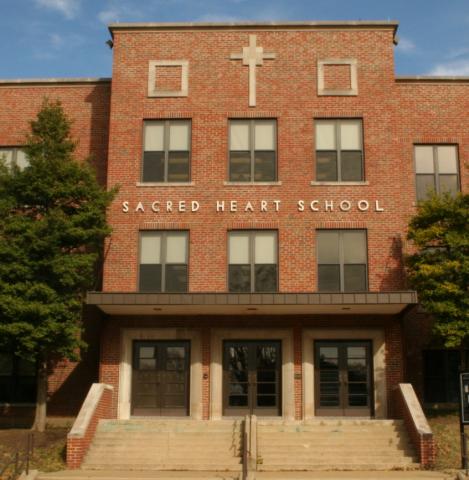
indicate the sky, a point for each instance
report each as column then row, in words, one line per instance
column 66, row 38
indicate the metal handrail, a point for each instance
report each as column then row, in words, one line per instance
column 20, row 462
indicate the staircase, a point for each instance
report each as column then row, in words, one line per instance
column 334, row 444
column 149, row 444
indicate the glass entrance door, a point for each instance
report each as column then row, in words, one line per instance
column 343, row 378
column 252, row 378
column 160, row 378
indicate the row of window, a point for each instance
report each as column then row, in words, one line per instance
column 253, row 154
column 441, row 377
column 253, row 261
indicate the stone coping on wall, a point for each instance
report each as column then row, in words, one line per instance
column 88, row 409
column 125, row 303
column 254, row 24
column 51, row 81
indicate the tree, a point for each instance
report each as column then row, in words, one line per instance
column 439, row 269
column 52, row 228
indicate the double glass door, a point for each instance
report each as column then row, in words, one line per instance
column 343, row 378
column 252, row 378
column 160, row 378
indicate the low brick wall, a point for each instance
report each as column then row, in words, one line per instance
column 97, row 406
column 409, row 409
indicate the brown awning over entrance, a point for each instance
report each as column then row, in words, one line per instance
column 384, row 303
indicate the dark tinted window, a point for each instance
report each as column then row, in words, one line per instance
column 252, row 261
column 253, row 145
column 166, row 155
column 342, row 260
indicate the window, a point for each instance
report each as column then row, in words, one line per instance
column 166, row 155
column 163, row 261
column 14, row 156
column 342, row 265
column 252, row 261
column 17, row 380
column 253, row 150
column 339, row 151
column 441, row 375
column 436, row 167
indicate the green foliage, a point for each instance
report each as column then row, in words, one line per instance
column 439, row 270
column 52, row 228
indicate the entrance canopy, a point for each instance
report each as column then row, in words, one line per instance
column 384, row 303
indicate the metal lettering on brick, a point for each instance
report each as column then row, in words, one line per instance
column 260, row 206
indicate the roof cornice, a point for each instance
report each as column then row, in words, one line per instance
column 431, row 79
column 254, row 25
column 51, row 81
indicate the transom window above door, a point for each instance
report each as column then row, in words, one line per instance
column 252, row 261
column 342, row 260
column 163, row 261
column 339, row 150
column 166, row 151
column 253, row 151
column 436, row 167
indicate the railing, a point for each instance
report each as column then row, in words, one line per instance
column 20, row 461
column 249, row 447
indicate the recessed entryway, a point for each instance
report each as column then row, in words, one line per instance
column 160, row 378
column 272, row 392
column 160, row 372
column 344, row 378
column 252, row 373
column 375, row 338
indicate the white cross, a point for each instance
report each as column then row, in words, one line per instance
column 252, row 56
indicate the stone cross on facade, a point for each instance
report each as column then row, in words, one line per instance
column 252, row 56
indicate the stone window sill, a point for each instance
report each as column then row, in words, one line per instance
column 252, row 184
column 165, row 184
column 340, row 184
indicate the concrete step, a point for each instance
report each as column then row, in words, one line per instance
column 169, row 425
column 151, row 458
column 135, row 475
column 208, row 467
column 331, row 421
column 317, row 466
column 355, row 475
column 298, row 456
column 329, row 428
column 330, row 437
column 183, row 447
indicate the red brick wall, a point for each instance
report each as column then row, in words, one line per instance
column 394, row 361
column 68, row 381
column 395, row 115
column 337, row 77
column 86, row 104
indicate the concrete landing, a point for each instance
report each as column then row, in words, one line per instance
column 355, row 475
column 136, row 475
column 174, row 475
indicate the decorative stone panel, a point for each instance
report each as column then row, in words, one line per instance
column 168, row 78
column 337, row 77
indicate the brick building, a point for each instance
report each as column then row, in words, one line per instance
column 267, row 174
